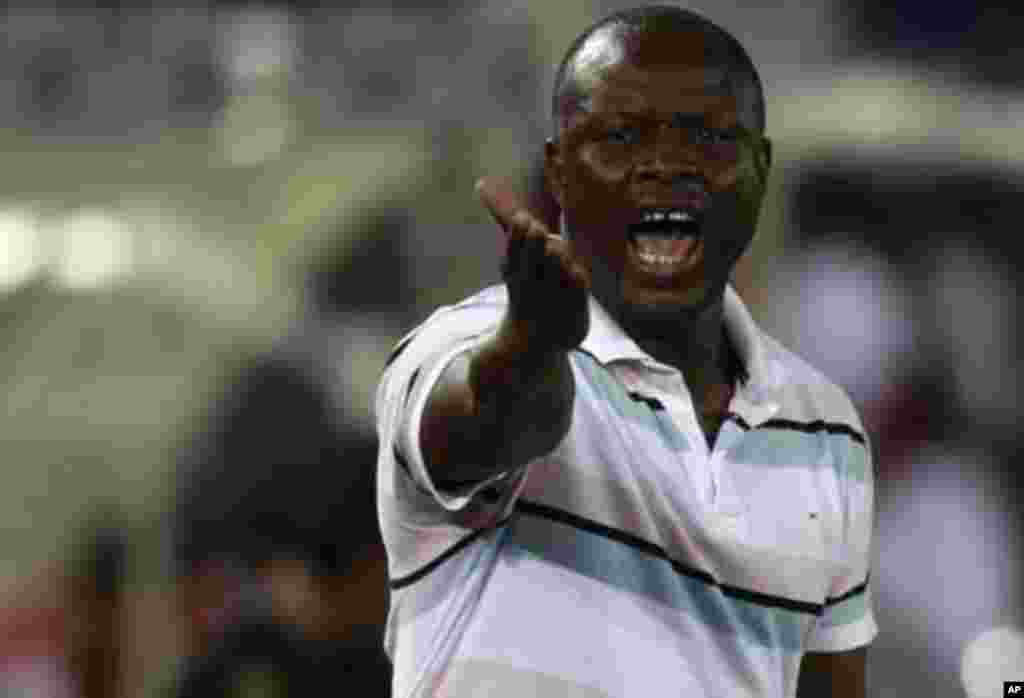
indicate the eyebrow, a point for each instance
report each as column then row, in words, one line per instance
column 690, row 120
column 678, row 119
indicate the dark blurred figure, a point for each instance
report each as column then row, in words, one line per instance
column 60, row 628
column 283, row 574
column 95, row 592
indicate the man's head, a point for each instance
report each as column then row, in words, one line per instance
column 659, row 160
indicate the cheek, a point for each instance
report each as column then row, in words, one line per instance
column 723, row 153
column 593, row 241
column 599, row 171
column 724, row 179
column 597, row 205
column 746, row 179
column 723, row 165
column 597, row 236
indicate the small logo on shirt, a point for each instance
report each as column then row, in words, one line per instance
column 1013, row 688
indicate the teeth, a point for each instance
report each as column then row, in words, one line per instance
column 654, row 249
column 656, row 259
column 662, row 216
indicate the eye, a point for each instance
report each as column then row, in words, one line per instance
column 706, row 135
column 622, row 135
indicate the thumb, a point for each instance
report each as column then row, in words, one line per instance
column 501, row 201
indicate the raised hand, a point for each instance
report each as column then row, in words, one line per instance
column 547, row 285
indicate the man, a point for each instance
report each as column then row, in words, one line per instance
column 600, row 478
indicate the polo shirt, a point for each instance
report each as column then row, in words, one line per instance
column 632, row 560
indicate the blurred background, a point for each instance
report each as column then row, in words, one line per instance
column 216, row 219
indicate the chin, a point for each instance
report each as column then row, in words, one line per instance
column 664, row 301
column 643, row 301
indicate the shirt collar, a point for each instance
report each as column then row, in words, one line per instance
column 757, row 397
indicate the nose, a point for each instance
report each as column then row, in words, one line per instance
column 671, row 157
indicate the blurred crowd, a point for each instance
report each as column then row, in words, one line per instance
column 218, row 218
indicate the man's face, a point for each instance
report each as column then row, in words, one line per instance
column 659, row 182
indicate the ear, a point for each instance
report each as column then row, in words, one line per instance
column 554, row 170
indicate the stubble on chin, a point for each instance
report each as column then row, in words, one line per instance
column 655, row 317
column 648, row 316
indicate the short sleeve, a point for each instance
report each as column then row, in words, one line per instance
column 404, row 484
column 848, row 619
column 407, row 451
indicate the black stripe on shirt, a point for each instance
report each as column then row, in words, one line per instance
column 402, row 462
column 590, row 526
column 399, row 348
column 814, row 427
column 422, row 572
column 544, row 511
column 652, row 402
column 857, row 590
column 404, row 465
column 412, row 381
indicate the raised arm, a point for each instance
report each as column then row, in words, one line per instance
column 510, row 400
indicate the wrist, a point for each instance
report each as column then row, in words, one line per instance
column 512, row 364
column 518, row 341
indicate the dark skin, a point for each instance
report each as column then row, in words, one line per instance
column 649, row 124
column 655, row 126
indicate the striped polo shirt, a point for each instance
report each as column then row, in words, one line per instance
column 632, row 560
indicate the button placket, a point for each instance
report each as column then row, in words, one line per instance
column 680, row 407
column 727, row 503
column 726, row 500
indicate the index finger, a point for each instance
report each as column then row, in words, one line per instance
column 505, row 207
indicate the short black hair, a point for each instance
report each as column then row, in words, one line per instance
column 742, row 77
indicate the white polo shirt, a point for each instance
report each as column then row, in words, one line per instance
column 631, row 560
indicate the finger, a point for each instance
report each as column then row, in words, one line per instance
column 533, row 256
column 563, row 249
column 559, row 246
column 554, row 267
column 520, row 245
column 500, row 202
column 504, row 206
column 578, row 271
column 513, row 255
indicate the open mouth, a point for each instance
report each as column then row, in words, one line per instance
column 666, row 240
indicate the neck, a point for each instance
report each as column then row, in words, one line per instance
column 694, row 342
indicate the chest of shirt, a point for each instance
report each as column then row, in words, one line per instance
column 760, row 507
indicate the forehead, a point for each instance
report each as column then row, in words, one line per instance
column 671, row 69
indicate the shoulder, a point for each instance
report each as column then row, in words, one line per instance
column 810, row 397
column 449, row 324
column 446, row 332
